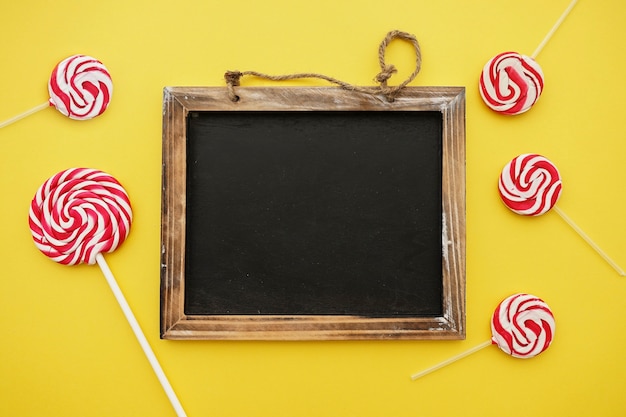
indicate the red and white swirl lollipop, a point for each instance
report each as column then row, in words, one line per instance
column 530, row 185
column 80, row 87
column 74, row 217
column 511, row 83
column 78, row 214
column 522, row 326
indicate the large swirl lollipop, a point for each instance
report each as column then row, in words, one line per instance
column 522, row 326
column 80, row 87
column 74, row 217
column 511, row 83
column 79, row 213
column 530, row 185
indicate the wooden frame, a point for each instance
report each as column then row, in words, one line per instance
column 175, row 324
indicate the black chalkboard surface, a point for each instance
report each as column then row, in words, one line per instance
column 314, row 213
column 287, row 216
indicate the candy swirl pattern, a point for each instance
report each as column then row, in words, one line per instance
column 79, row 213
column 80, row 87
column 530, row 185
column 511, row 83
column 522, row 326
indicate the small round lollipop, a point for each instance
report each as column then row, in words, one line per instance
column 74, row 217
column 530, row 185
column 80, row 88
column 511, row 83
column 522, row 326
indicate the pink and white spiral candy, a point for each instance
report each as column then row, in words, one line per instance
column 511, row 83
column 530, row 185
column 80, row 87
column 79, row 213
column 522, row 326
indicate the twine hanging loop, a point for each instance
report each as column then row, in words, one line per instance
column 233, row 78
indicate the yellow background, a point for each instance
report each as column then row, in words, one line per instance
column 65, row 347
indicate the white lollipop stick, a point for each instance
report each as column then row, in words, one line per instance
column 554, row 29
column 25, row 114
column 140, row 336
column 451, row 360
column 587, row 239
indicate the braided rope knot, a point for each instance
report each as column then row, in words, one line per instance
column 385, row 74
column 233, row 77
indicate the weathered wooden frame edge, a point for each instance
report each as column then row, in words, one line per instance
column 175, row 324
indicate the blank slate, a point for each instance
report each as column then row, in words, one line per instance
column 313, row 213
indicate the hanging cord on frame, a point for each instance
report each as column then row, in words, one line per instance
column 386, row 71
